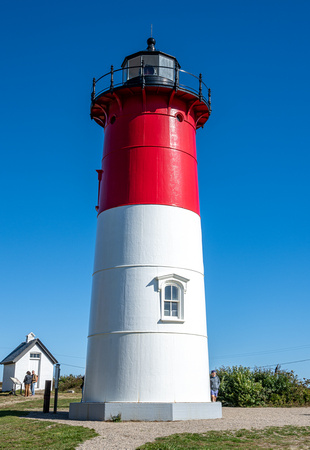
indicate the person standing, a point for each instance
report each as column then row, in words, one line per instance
column 27, row 382
column 82, row 387
column 33, row 382
column 214, row 385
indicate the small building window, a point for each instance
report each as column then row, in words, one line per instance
column 172, row 289
column 35, row 355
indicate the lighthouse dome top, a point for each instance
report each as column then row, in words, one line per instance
column 157, row 67
column 149, row 72
column 151, row 43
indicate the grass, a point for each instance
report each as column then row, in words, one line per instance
column 36, row 403
column 270, row 437
column 18, row 432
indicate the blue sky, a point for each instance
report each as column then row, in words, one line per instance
column 253, row 158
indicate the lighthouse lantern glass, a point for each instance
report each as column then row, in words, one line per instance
column 164, row 67
column 133, row 68
column 150, row 64
column 156, row 65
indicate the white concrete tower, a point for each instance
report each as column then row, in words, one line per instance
column 147, row 356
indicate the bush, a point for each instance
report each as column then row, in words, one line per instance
column 238, row 387
column 241, row 386
column 70, row 382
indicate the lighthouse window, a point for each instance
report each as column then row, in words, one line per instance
column 172, row 290
column 172, row 300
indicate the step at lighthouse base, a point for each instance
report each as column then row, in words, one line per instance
column 145, row 411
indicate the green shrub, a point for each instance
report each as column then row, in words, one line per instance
column 238, row 387
column 117, row 418
column 70, row 382
column 241, row 386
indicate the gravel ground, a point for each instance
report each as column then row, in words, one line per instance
column 129, row 435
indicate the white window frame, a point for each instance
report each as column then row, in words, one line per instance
column 38, row 355
column 181, row 284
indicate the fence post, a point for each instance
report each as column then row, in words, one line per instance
column 200, row 87
column 112, row 79
column 176, row 81
column 57, row 374
column 209, row 98
column 142, row 71
column 93, row 94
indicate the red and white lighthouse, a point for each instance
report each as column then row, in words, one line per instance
column 147, row 356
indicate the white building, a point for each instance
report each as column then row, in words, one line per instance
column 29, row 355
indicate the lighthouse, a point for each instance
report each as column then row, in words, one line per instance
column 147, row 354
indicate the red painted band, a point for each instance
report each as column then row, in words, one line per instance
column 149, row 175
column 149, row 154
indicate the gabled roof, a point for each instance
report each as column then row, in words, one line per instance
column 23, row 348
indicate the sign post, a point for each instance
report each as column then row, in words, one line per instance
column 57, row 374
column 16, row 383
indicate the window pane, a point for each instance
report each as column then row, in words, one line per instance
column 175, row 293
column 134, row 67
column 167, row 308
column 174, row 311
column 168, row 293
column 150, row 64
column 164, row 70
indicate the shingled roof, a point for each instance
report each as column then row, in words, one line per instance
column 23, row 348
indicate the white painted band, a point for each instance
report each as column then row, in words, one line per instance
column 148, row 235
column 135, row 352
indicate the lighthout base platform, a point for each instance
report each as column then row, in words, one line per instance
column 127, row 411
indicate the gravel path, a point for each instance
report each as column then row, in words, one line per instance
column 129, row 435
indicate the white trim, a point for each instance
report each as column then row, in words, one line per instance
column 146, row 332
column 172, row 276
column 125, row 266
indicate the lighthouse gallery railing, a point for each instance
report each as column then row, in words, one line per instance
column 178, row 80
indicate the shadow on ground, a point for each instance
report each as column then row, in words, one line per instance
column 60, row 415
column 12, row 412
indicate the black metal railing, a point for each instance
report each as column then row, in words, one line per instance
column 179, row 79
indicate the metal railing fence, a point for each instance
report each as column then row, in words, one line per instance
column 179, row 79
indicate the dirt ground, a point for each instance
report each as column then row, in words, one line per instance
column 130, row 435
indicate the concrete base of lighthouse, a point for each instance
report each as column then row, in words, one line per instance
column 144, row 411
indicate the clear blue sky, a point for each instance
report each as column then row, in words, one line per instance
column 253, row 157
